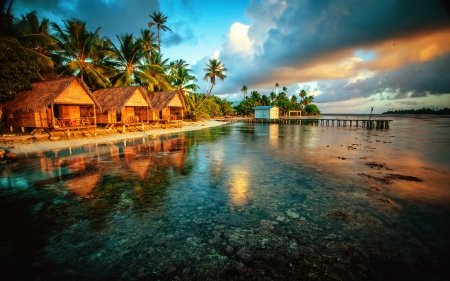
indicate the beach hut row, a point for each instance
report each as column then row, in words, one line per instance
column 67, row 103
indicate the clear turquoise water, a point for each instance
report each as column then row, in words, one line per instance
column 240, row 201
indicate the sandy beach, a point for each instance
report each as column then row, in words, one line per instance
column 21, row 145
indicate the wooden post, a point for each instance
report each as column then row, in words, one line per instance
column 53, row 115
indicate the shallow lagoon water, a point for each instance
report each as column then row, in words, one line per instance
column 240, row 201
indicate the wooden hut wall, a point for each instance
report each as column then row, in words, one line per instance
column 166, row 113
column 73, row 94
column 106, row 118
column 139, row 105
column 34, row 119
column 128, row 114
column 176, row 102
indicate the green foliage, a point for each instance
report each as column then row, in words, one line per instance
column 312, row 109
column 281, row 100
column 199, row 107
column 17, row 69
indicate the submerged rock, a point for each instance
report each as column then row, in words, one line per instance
column 292, row 214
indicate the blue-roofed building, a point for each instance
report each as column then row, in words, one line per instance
column 266, row 112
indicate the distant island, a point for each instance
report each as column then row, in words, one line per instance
column 444, row 111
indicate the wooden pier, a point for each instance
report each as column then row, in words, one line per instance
column 370, row 124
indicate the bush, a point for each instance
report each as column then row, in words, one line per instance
column 312, row 109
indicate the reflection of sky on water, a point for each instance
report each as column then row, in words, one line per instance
column 141, row 206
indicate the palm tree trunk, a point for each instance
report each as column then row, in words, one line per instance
column 205, row 97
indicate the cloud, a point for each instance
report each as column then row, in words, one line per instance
column 410, row 81
column 293, row 42
column 181, row 33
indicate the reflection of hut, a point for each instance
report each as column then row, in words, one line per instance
column 140, row 167
column 57, row 104
column 167, row 105
column 83, row 185
column 123, row 105
column 266, row 112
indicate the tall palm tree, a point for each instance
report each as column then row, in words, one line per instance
column 184, row 80
column 77, row 49
column 159, row 19
column 215, row 69
column 244, row 90
column 35, row 38
column 302, row 95
column 176, row 65
column 276, row 88
column 285, row 89
column 148, row 41
column 273, row 97
column 132, row 71
column 161, row 74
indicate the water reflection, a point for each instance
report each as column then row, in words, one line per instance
column 249, row 201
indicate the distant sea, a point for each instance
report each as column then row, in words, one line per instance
column 240, row 201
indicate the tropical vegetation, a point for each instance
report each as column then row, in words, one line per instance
column 281, row 99
column 423, row 110
column 34, row 49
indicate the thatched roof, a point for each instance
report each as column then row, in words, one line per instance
column 160, row 100
column 43, row 94
column 113, row 99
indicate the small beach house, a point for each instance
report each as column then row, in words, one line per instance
column 128, row 105
column 167, row 105
column 266, row 112
column 53, row 104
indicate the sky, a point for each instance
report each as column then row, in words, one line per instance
column 350, row 55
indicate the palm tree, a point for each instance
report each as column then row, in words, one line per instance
column 306, row 101
column 215, row 69
column 244, row 90
column 265, row 100
column 256, row 96
column 276, row 88
column 175, row 65
column 134, row 69
column 35, row 39
column 273, row 96
column 183, row 80
column 302, row 95
column 77, row 50
column 7, row 19
column 148, row 41
column 159, row 19
column 285, row 89
column 161, row 74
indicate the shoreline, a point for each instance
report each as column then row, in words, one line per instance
column 38, row 145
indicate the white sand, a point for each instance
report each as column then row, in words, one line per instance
column 25, row 148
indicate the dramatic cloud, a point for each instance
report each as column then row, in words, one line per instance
column 410, row 81
column 295, row 42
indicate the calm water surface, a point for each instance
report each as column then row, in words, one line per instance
column 240, row 201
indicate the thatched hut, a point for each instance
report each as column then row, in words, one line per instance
column 167, row 105
column 53, row 104
column 128, row 105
